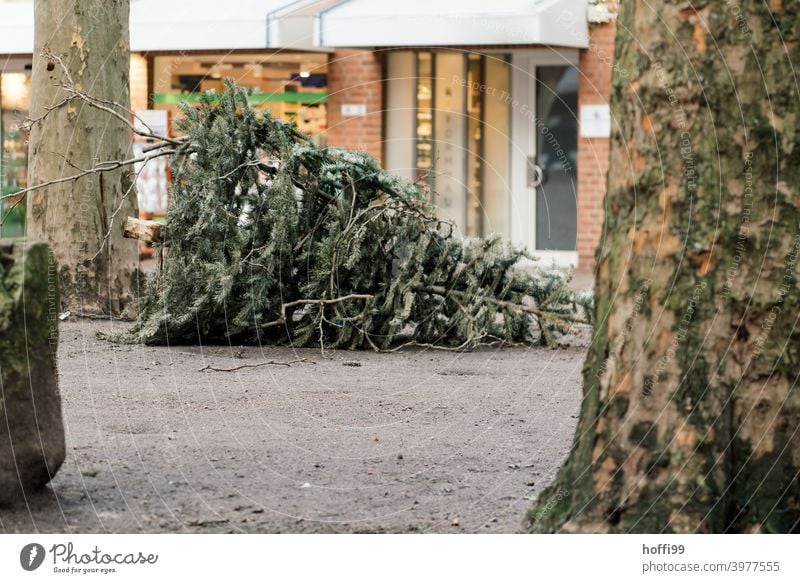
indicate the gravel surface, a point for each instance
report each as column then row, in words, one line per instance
column 414, row 441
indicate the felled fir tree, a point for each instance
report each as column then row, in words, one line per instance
column 271, row 239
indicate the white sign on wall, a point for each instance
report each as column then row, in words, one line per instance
column 354, row 109
column 155, row 120
column 595, row 121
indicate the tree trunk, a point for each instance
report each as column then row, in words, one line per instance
column 91, row 36
column 691, row 412
column 32, row 435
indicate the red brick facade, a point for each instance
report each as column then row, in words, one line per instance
column 356, row 77
column 138, row 82
column 594, row 87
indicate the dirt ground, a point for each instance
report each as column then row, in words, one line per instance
column 415, row 441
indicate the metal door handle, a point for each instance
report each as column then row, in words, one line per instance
column 535, row 173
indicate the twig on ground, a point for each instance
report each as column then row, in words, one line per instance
column 68, row 314
column 256, row 364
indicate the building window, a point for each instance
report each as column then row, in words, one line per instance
column 14, row 100
column 475, row 151
column 453, row 108
column 290, row 86
column 424, row 118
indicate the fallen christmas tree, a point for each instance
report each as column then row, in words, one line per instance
column 272, row 239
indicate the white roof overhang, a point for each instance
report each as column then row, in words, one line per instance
column 292, row 26
column 199, row 25
column 378, row 23
column 16, row 28
column 177, row 25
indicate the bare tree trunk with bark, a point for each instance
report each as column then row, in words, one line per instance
column 82, row 219
column 691, row 412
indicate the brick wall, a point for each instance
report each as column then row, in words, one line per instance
column 356, row 77
column 594, row 88
column 138, row 80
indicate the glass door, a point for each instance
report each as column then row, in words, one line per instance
column 553, row 173
column 544, row 164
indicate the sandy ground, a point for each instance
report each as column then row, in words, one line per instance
column 415, row 441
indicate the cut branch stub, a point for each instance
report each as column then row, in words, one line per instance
column 144, row 230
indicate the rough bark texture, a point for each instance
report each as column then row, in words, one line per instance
column 691, row 408
column 91, row 36
column 32, row 434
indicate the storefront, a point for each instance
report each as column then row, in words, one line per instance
column 500, row 111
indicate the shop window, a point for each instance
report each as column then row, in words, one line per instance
column 461, row 128
column 450, row 117
column 474, row 145
column 290, row 86
column 14, row 100
column 495, row 184
column 400, row 121
column 424, row 118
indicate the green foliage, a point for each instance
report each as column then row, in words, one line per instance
column 12, row 219
column 267, row 234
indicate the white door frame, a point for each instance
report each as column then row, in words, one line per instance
column 523, row 145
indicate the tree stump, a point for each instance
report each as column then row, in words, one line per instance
column 32, row 435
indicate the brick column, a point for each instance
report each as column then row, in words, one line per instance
column 594, row 87
column 356, row 77
column 138, row 80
